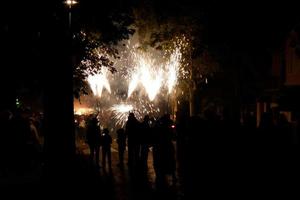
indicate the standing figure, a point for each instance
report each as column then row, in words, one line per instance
column 121, row 140
column 132, row 131
column 106, row 151
column 145, row 142
column 94, row 139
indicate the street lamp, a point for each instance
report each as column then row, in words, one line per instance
column 70, row 3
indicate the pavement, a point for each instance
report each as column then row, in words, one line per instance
column 221, row 173
column 89, row 179
column 122, row 186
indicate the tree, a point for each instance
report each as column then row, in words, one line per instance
column 96, row 39
column 166, row 28
column 63, row 48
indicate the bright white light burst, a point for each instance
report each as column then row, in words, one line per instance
column 120, row 113
column 173, row 69
column 143, row 81
column 98, row 82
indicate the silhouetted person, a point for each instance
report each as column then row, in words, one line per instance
column 249, row 128
column 121, row 140
column 21, row 140
column 106, row 149
column 182, row 135
column 94, row 139
column 145, row 141
column 6, row 141
column 132, row 131
column 284, row 131
column 164, row 152
column 169, row 149
column 266, row 129
column 34, row 143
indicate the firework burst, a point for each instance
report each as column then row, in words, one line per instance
column 98, row 82
column 144, row 79
column 120, row 113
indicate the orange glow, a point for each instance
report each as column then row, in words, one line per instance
column 82, row 108
column 83, row 111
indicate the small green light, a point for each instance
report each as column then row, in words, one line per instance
column 17, row 102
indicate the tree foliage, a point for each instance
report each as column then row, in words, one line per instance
column 166, row 26
column 96, row 38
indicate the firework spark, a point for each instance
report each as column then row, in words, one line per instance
column 140, row 108
column 98, row 82
column 120, row 113
column 149, row 76
column 173, row 69
column 133, row 84
column 153, row 74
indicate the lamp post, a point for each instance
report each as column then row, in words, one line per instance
column 68, row 77
column 60, row 148
column 70, row 4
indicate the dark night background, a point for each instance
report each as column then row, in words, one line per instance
column 247, row 38
column 249, row 28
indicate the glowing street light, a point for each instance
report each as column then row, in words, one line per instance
column 70, row 3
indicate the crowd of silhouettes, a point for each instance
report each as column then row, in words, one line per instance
column 209, row 148
column 21, row 140
column 213, row 149
column 159, row 136
column 98, row 140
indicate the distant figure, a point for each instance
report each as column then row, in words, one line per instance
column 145, row 142
column 266, row 129
column 132, row 130
column 106, row 151
column 6, row 141
column 21, row 140
column 168, row 149
column 94, row 139
column 121, row 140
column 284, row 131
column 164, row 160
column 34, row 144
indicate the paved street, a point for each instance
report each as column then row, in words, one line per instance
column 121, row 184
column 117, row 185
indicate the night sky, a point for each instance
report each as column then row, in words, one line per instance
column 252, row 28
column 36, row 59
